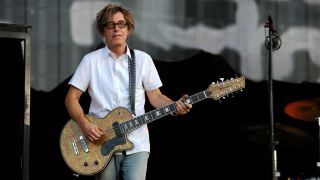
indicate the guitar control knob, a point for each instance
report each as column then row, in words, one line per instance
column 96, row 162
column 85, row 164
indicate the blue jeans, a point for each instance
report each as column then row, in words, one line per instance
column 130, row 167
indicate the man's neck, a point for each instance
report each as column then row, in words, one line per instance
column 118, row 51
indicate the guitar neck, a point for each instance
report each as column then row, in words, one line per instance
column 158, row 113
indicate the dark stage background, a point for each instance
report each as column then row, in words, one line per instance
column 13, row 107
column 216, row 140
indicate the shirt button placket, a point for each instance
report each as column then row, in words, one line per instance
column 117, row 82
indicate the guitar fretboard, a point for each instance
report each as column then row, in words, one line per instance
column 215, row 91
column 158, row 113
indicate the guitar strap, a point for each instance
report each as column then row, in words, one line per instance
column 132, row 80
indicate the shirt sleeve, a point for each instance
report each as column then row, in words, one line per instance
column 81, row 77
column 151, row 79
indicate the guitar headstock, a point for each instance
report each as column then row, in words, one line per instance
column 223, row 88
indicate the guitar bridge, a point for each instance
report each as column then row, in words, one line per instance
column 84, row 144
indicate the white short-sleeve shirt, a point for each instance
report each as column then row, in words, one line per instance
column 107, row 80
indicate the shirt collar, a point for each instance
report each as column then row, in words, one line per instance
column 108, row 52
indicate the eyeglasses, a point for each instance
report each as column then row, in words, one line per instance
column 112, row 25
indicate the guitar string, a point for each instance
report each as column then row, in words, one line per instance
column 112, row 131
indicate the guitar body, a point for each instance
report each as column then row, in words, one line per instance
column 87, row 158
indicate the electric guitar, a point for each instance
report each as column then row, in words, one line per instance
column 88, row 158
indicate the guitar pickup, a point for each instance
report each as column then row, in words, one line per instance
column 75, row 148
column 84, row 144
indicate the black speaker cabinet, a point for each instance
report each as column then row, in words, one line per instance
column 15, row 46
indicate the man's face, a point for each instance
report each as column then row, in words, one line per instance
column 116, row 31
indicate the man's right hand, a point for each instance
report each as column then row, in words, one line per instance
column 91, row 131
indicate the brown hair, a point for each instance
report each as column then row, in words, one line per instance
column 108, row 11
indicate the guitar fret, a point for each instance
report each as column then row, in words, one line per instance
column 207, row 93
column 140, row 120
column 194, row 98
column 160, row 113
column 146, row 118
column 172, row 107
column 131, row 125
column 153, row 114
column 157, row 113
column 200, row 96
column 125, row 126
column 136, row 122
column 166, row 109
column 128, row 126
